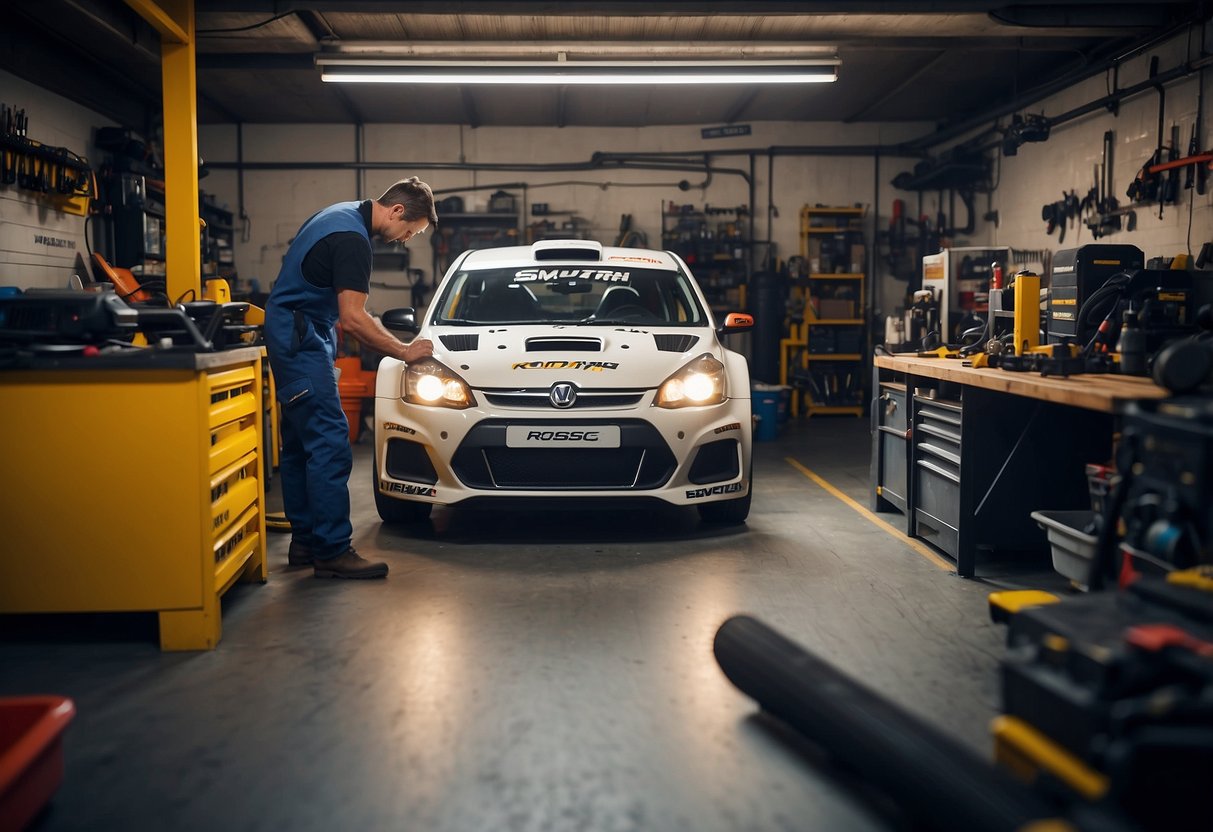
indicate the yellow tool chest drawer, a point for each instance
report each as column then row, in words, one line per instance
column 134, row 484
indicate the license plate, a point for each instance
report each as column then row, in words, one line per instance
column 581, row 436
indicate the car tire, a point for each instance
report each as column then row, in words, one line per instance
column 398, row 512
column 727, row 512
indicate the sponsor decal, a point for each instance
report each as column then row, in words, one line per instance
column 632, row 259
column 591, row 366
column 698, row 493
column 728, row 427
column 401, row 428
column 407, row 488
column 544, row 275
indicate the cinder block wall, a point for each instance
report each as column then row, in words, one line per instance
column 278, row 201
column 38, row 244
column 1041, row 172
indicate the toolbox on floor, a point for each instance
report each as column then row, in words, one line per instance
column 31, row 755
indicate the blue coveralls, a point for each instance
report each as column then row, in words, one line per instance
column 301, row 340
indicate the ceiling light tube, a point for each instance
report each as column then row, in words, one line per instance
column 367, row 71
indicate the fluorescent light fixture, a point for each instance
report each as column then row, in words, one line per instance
column 397, row 71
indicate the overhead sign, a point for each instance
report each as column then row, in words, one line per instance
column 727, row 130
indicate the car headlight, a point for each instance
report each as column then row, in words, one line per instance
column 698, row 383
column 430, row 383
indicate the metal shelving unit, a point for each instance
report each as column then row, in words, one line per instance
column 822, row 356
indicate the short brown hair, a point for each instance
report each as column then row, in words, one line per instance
column 415, row 196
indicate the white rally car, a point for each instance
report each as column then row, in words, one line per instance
column 565, row 371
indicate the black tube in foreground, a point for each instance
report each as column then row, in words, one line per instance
column 940, row 783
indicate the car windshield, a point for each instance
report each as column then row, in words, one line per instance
column 570, row 294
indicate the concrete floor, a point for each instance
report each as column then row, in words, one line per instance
column 520, row 671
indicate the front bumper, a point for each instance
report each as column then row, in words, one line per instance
column 681, row 457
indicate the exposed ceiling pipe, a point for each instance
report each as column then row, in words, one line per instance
column 615, row 162
column 1064, row 82
column 1152, row 84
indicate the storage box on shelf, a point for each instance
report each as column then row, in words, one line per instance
column 824, row 352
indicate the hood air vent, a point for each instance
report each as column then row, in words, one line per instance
column 675, row 343
column 564, row 345
column 461, row 342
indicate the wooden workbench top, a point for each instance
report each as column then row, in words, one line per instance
column 1107, row 393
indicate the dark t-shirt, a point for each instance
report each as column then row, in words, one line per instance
column 341, row 260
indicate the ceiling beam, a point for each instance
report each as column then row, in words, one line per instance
column 898, row 88
column 298, row 61
column 325, row 35
column 659, row 7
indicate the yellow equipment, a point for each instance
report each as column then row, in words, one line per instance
column 1027, row 312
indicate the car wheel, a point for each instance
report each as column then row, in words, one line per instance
column 398, row 512
column 727, row 512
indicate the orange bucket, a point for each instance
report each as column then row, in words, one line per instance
column 354, row 385
column 31, row 755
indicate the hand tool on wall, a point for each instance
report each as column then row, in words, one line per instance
column 1190, row 175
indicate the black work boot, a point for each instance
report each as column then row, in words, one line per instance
column 300, row 554
column 349, row 564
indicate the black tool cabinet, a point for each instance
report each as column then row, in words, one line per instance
column 890, row 433
column 936, row 471
column 967, row 465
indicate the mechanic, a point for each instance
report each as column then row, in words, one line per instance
column 325, row 279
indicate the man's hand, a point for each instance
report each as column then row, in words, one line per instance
column 358, row 323
column 416, row 350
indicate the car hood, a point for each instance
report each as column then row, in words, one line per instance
column 514, row 356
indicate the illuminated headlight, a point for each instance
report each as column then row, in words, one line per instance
column 430, row 383
column 698, row 383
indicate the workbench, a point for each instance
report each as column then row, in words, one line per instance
column 133, row 482
column 968, row 454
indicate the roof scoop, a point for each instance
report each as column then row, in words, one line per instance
column 576, row 250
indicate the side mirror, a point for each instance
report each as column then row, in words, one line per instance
column 400, row 320
column 736, row 322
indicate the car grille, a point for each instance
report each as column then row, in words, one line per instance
column 537, row 399
column 643, row 461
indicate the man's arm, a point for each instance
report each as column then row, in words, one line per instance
column 358, row 323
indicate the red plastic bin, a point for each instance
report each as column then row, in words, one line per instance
column 31, row 755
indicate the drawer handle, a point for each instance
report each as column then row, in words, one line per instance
column 935, row 469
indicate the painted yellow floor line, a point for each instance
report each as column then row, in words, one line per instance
column 920, row 548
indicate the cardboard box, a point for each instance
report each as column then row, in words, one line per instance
column 836, row 308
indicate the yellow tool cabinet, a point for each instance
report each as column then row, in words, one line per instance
column 133, row 484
